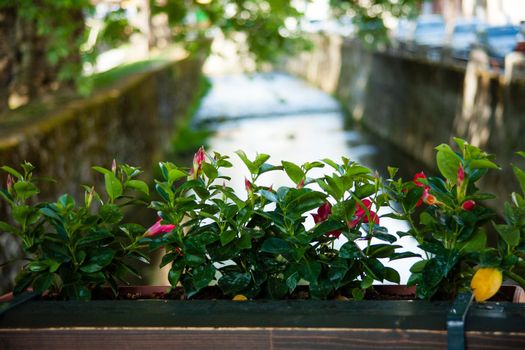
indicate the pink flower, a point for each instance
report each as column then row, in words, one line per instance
column 322, row 214
column 300, row 184
column 198, row 159
column 468, row 205
column 158, row 228
column 364, row 214
column 461, row 175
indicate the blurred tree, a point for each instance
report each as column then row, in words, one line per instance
column 42, row 45
column 269, row 27
column 369, row 15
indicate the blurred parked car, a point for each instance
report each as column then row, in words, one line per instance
column 429, row 36
column 498, row 41
column 463, row 37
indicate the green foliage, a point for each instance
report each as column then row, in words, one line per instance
column 260, row 246
column 73, row 248
column 450, row 229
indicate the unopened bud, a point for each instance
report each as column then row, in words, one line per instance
column 468, row 205
column 10, row 183
column 248, row 185
column 114, row 166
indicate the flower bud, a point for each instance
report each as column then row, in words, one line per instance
column 248, row 185
column 114, row 166
column 88, row 197
column 468, row 205
column 428, row 198
column 10, row 182
column 300, row 184
column 461, row 175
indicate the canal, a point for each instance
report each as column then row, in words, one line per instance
column 284, row 117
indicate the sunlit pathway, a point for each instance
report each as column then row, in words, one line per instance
column 284, row 117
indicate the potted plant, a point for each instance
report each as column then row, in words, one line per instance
column 259, row 246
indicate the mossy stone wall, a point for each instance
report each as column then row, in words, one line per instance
column 130, row 121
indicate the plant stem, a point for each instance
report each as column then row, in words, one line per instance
column 517, row 278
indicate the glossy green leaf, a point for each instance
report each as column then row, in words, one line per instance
column 510, row 234
column 25, row 189
column 12, row 171
column 113, row 186
column 138, row 185
column 483, row 164
column 294, row 172
column 350, row 250
column 203, row 276
column 520, row 176
column 276, row 245
column 448, row 162
column 234, row 282
column 228, row 236
column 392, row 275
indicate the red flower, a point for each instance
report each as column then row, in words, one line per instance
column 420, row 175
column 364, row 214
column 428, row 198
column 322, row 214
column 468, row 205
column 158, row 228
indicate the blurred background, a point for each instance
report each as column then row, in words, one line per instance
column 382, row 82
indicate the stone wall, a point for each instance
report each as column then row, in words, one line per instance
column 131, row 122
column 417, row 104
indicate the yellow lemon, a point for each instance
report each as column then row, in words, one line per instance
column 239, row 297
column 486, row 283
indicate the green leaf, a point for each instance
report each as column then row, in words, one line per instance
column 448, row 162
column 98, row 260
column 418, row 266
column 25, row 189
column 110, row 213
column 366, row 282
column 294, row 172
column 270, row 196
column 43, row 282
column 403, row 255
column 510, row 234
column 37, row 266
column 476, row 243
column 138, row 185
column 520, row 176
column 228, row 236
column 234, row 282
column 381, row 250
column 483, row 164
column 277, row 287
column 94, row 237
column 392, row 275
column 374, row 268
column 276, row 245
column 210, row 171
column 174, row 175
column 113, row 186
column 103, row 170
column 358, row 293
column 327, row 226
column 350, row 250
column 202, row 276
column 251, row 167
column 310, row 270
column 12, row 171
column 174, row 274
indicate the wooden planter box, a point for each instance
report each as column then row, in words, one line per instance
column 223, row 324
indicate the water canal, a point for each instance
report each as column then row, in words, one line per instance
column 284, row 117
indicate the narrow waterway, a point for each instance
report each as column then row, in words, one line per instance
column 284, row 117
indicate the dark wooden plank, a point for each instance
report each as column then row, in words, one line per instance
column 140, row 339
column 360, row 339
column 495, row 341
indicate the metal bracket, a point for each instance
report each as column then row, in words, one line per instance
column 456, row 321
